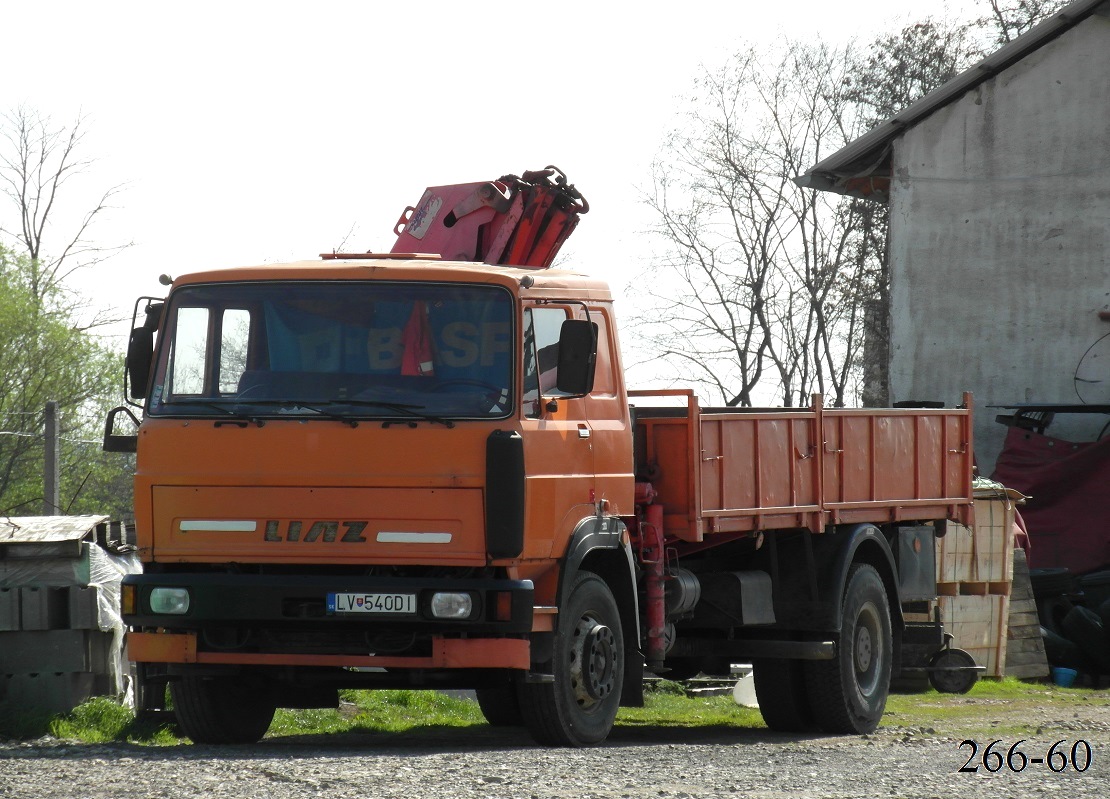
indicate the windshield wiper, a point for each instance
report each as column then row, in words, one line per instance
column 240, row 417
column 328, row 414
column 403, row 408
column 292, row 405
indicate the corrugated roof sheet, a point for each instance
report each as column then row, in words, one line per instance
column 48, row 529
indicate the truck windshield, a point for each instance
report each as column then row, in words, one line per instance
column 336, row 350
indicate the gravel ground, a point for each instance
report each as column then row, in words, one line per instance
column 895, row 761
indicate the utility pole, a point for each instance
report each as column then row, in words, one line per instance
column 52, row 500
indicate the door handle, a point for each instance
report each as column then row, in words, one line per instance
column 583, row 431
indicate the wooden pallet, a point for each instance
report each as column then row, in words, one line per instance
column 975, row 588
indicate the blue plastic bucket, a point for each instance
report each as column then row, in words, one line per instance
column 1065, row 678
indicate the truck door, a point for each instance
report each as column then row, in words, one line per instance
column 559, row 445
column 607, row 416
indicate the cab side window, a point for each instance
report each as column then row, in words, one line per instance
column 541, row 356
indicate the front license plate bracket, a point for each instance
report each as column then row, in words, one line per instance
column 374, row 603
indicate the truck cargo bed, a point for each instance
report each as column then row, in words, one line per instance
column 722, row 470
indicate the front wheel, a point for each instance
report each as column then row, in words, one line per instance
column 579, row 706
column 500, row 704
column 222, row 710
column 848, row 693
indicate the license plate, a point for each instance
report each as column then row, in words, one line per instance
column 404, row 604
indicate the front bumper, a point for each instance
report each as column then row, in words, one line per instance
column 445, row 653
column 239, row 618
column 500, row 606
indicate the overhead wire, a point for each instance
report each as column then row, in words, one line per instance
column 1076, row 379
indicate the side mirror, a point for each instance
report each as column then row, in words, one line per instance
column 117, row 443
column 140, row 352
column 577, row 357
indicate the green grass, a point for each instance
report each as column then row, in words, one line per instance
column 999, row 707
column 101, row 720
column 380, row 711
column 667, row 705
column 992, row 706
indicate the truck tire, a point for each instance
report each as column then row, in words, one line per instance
column 1062, row 652
column 780, row 689
column 1052, row 581
column 500, row 705
column 1051, row 611
column 1104, row 614
column 1084, row 628
column 578, row 706
column 848, row 693
column 221, row 710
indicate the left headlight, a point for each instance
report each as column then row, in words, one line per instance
column 169, row 601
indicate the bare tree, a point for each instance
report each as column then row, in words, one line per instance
column 762, row 285
column 1008, row 19
column 901, row 67
column 37, row 160
column 757, row 286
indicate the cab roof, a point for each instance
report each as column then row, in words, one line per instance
column 526, row 282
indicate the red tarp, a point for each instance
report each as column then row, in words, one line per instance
column 1068, row 515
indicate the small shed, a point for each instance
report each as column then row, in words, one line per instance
column 61, row 634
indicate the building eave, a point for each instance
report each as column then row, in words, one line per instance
column 862, row 167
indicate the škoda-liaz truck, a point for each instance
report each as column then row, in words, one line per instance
column 423, row 469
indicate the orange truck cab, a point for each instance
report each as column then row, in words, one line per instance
column 402, row 471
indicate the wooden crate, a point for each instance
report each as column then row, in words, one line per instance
column 979, row 625
column 980, row 559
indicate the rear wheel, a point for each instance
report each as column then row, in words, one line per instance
column 848, row 693
column 578, row 707
column 222, row 710
column 780, row 689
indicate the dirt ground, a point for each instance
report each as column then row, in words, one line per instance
column 928, row 746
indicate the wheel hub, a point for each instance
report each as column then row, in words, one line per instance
column 867, row 641
column 593, row 662
column 863, row 649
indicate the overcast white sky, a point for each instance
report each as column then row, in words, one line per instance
column 251, row 132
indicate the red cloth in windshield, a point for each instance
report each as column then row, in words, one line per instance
column 418, row 355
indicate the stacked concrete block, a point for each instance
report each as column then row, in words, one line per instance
column 61, row 634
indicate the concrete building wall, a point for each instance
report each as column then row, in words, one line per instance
column 1000, row 241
